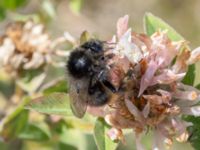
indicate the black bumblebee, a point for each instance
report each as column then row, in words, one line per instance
column 88, row 76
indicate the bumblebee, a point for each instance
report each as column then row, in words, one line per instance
column 88, row 76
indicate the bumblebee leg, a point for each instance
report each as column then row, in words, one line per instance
column 92, row 86
column 104, row 79
column 100, row 97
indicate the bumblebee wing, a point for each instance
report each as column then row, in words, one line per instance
column 78, row 97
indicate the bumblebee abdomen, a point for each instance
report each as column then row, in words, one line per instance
column 98, row 93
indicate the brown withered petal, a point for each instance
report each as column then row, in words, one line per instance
column 26, row 46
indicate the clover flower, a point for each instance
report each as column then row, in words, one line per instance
column 25, row 46
column 148, row 71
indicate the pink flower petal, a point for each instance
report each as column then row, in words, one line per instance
column 143, row 41
column 112, row 134
column 163, row 47
column 113, row 40
column 187, row 108
column 188, row 95
column 115, row 134
column 194, row 57
column 165, row 127
column 195, row 110
column 187, row 87
column 147, row 77
column 167, row 77
column 122, row 25
column 154, row 99
column 55, row 118
column 179, row 126
column 183, row 137
column 127, row 48
column 158, row 141
column 146, row 110
column 182, row 103
column 134, row 111
column 180, row 65
column 167, row 96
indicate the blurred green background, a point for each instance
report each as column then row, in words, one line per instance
column 99, row 18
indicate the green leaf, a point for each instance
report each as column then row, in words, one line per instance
column 102, row 140
column 198, row 86
column 24, row 18
column 32, row 85
column 63, row 146
column 12, row 4
column 39, row 132
column 190, row 76
column 60, row 86
column 193, row 119
column 47, row 11
column 194, row 130
column 48, row 8
column 76, row 138
column 73, row 137
column 75, row 5
column 55, row 104
column 7, row 88
column 2, row 13
column 14, row 123
column 153, row 24
column 194, row 137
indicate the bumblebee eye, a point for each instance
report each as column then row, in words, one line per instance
column 79, row 64
column 94, row 45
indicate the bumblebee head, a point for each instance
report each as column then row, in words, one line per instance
column 95, row 46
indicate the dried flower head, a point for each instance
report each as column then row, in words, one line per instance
column 25, row 46
column 148, row 71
